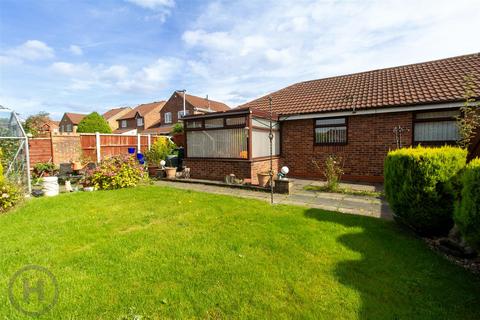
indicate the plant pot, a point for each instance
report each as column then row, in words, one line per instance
column 152, row 171
column 76, row 166
column 263, row 179
column 171, row 172
column 88, row 189
column 50, row 186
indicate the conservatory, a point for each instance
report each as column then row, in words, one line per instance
column 233, row 142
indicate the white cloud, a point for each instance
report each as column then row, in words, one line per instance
column 76, row 50
column 147, row 78
column 153, row 4
column 240, row 51
column 32, row 50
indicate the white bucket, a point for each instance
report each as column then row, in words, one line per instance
column 50, row 186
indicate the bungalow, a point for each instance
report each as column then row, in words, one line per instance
column 173, row 110
column 141, row 117
column 70, row 121
column 112, row 115
column 357, row 117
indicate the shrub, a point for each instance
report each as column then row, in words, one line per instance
column 43, row 169
column 177, row 128
column 116, row 173
column 10, row 195
column 467, row 210
column 1, row 168
column 419, row 186
column 94, row 123
column 160, row 149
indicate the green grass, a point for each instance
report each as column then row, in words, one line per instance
column 348, row 191
column 167, row 253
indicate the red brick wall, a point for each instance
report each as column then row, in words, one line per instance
column 370, row 137
column 214, row 169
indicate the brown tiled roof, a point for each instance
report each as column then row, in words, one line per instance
column 144, row 109
column 204, row 103
column 75, row 118
column 158, row 130
column 430, row 82
column 112, row 112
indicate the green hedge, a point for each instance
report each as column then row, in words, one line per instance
column 467, row 211
column 419, row 186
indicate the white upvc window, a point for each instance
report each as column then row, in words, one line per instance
column 139, row 122
column 168, row 117
column 123, row 123
column 181, row 114
column 436, row 127
column 69, row 127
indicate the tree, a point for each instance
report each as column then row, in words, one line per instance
column 94, row 123
column 469, row 120
column 177, row 128
column 34, row 123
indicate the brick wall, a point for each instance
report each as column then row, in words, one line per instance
column 370, row 137
column 214, row 169
column 66, row 148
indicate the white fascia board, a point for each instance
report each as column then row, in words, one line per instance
column 426, row 107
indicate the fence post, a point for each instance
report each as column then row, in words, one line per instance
column 98, row 147
column 149, row 141
column 138, row 143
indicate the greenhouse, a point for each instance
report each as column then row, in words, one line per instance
column 14, row 149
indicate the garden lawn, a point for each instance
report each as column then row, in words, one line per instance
column 166, row 253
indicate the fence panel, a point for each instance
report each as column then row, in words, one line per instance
column 40, row 150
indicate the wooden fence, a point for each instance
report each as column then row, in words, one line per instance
column 95, row 147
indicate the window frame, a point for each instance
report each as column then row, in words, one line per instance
column 439, row 119
column 225, row 126
column 170, row 120
column 140, row 125
column 315, row 126
column 123, row 123
column 69, row 127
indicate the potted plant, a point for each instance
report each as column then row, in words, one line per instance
column 157, row 153
column 87, row 182
column 263, row 178
column 171, row 172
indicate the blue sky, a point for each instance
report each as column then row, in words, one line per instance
column 80, row 56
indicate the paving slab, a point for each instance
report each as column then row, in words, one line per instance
column 359, row 205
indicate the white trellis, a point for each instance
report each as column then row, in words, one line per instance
column 14, row 145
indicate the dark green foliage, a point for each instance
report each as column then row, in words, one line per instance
column 177, row 128
column 419, row 186
column 467, row 211
column 94, row 123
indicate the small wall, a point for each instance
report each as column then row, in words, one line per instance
column 66, row 148
column 216, row 169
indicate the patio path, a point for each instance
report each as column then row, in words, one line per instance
column 360, row 205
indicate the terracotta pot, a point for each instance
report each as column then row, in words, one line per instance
column 152, row 171
column 77, row 166
column 263, row 179
column 171, row 172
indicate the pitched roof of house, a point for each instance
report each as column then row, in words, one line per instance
column 113, row 112
column 144, row 109
column 75, row 118
column 158, row 130
column 204, row 103
column 438, row 81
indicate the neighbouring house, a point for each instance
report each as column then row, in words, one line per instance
column 140, row 118
column 70, row 121
column 114, row 114
column 357, row 117
column 172, row 112
column 47, row 126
